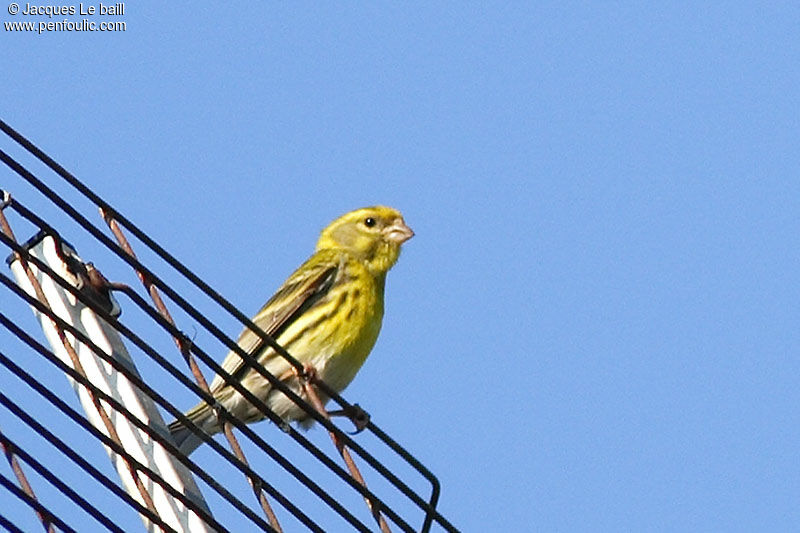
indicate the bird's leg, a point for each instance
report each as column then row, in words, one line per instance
column 358, row 416
column 307, row 377
column 309, row 373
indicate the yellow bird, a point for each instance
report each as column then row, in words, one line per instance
column 327, row 315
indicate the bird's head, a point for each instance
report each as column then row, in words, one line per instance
column 372, row 234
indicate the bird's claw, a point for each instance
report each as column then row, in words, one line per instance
column 358, row 416
column 309, row 373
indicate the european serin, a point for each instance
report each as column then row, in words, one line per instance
column 327, row 315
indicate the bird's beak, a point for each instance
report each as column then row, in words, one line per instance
column 398, row 232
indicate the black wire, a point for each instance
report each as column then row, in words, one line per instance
column 150, row 431
column 6, row 523
column 66, row 450
column 177, row 265
column 150, row 392
column 57, row 483
column 248, row 358
column 208, row 360
column 429, row 507
column 8, row 324
column 236, row 384
column 21, row 334
column 34, row 504
column 71, row 413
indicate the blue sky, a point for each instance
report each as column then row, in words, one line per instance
column 596, row 325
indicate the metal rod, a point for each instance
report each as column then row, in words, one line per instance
column 8, row 450
column 186, row 382
column 198, row 375
column 308, row 387
column 429, row 507
column 109, row 425
column 194, row 313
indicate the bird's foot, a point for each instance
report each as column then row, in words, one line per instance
column 309, row 373
column 358, row 416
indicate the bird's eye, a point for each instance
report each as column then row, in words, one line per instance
column 369, row 222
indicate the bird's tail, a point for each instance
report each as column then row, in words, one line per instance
column 203, row 417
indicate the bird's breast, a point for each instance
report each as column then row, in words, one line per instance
column 338, row 333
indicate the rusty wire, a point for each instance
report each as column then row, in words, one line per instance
column 189, row 350
column 38, row 508
column 52, row 478
column 247, row 394
column 373, row 503
column 71, row 413
column 9, row 451
column 13, row 204
column 176, row 373
column 183, row 347
column 119, row 367
column 109, row 425
column 308, row 386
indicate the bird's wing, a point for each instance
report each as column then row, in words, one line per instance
column 302, row 290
